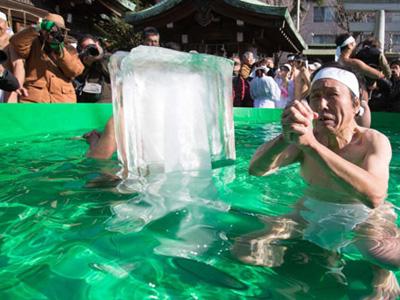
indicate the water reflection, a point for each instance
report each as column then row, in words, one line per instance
column 329, row 229
column 186, row 196
column 61, row 239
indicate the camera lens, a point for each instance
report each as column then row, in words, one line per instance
column 3, row 56
column 57, row 35
column 92, row 50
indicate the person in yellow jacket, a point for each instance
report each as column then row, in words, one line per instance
column 50, row 65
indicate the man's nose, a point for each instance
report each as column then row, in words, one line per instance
column 322, row 104
column 325, row 103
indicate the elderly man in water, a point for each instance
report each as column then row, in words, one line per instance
column 347, row 170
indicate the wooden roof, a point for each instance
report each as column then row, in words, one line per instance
column 278, row 29
column 22, row 11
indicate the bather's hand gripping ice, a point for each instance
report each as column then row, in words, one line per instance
column 172, row 110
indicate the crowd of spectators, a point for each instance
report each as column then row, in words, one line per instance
column 381, row 89
column 43, row 63
column 261, row 84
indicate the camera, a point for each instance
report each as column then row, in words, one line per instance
column 57, row 36
column 90, row 50
column 3, row 56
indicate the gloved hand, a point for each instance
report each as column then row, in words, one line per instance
column 56, row 45
column 47, row 25
column 56, row 40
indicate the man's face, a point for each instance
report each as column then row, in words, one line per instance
column 260, row 73
column 3, row 26
column 270, row 63
column 249, row 60
column 353, row 47
column 237, row 64
column 299, row 64
column 284, row 72
column 88, row 42
column 152, row 40
column 332, row 100
column 395, row 71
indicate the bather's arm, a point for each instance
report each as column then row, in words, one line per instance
column 272, row 155
column 363, row 68
column 104, row 146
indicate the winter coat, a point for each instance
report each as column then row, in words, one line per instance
column 48, row 76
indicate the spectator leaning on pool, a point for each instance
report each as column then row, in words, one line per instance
column 50, row 65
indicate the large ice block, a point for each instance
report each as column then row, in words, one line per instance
column 172, row 110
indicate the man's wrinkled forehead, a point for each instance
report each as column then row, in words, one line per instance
column 325, row 85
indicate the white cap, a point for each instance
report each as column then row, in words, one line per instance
column 312, row 67
column 289, row 67
column 3, row 16
column 290, row 57
column 317, row 65
column 263, row 68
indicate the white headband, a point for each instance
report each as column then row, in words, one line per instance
column 343, row 76
column 347, row 41
column 3, row 16
column 264, row 68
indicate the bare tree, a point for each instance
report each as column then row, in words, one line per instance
column 343, row 17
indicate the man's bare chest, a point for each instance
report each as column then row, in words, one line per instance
column 314, row 171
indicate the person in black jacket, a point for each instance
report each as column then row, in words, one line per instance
column 394, row 95
column 8, row 82
column 371, row 54
column 94, row 84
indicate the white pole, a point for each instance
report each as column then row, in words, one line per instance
column 380, row 28
column 298, row 16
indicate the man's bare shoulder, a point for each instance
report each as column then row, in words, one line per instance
column 373, row 137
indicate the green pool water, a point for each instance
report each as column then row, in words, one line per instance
column 68, row 233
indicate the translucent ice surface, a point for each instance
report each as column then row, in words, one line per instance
column 172, row 110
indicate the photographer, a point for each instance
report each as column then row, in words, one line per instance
column 8, row 82
column 11, row 65
column 50, row 64
column 93, row 85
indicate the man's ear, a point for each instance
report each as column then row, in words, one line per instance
column 356, row 105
